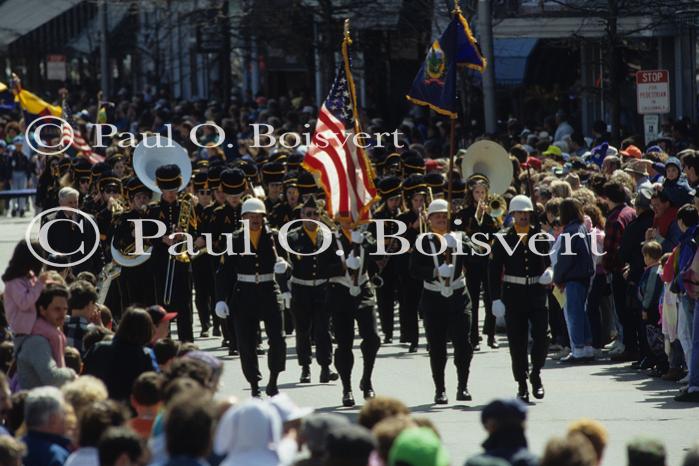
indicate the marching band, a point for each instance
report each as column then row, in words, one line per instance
column 323, row 296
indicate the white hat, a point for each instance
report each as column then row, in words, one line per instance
column 438, row 206
column 253, row 206
column 288, row 410
column 521, row 203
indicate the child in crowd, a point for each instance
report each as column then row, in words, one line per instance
column 677, row 189
column 146, row 401
column 650, row 289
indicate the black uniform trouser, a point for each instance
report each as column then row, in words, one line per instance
column 447, row 319
column 204, row 289
column 599, row 289
column 519, row 319
column 138, row 285
column 311, row 317
column 345, row 310
column 180, row 299
column 386, row 297
column 476, row 277
column 253, row 303
column 410, row 290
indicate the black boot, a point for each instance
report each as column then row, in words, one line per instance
column 326, row 375
column 462, row 393
column 347, row 399
column 255, row 391
column 523, row 392
column 440, row 397
column 367, row 388
column 537, row 386
column 272, row 389
column 305, row 374
column 492, row 343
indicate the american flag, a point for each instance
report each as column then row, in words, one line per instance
column 340, row 165
column 71, row 135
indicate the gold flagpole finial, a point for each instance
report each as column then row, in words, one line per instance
column 346, row 29
column 457, row 7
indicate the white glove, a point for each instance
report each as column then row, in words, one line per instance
column 357, row 237
column 498, row 309
column 352, row 263
column 445, row 270
column 286, row 299
column 280, row 266
column 547, row 277
column 221, row 310
column 451, row 240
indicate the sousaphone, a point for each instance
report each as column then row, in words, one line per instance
column 490, row 159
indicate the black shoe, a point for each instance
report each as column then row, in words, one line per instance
column 440, row 398
column 305, row 375
column 347, row 399
column 523, row 392
column 217, row 332
column 537, row 386
column 204, row 333
column 646, row 363
column 413, row 348
column 21, row 213
column 462, row 394
column 388, row 340
column 367, row 389
column 272, row 390
column 477, row 348
column 14, row 212
column 260, row 350
column 255, row 392
column 225, row 343
column 232, row 352
column 326, row 375
column 492, row 343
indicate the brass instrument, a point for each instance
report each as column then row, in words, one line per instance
column 491, row 160
column 182, row 225
column 495, row 206
column 106, row 276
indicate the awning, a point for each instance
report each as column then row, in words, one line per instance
column 88, row 40
column 511, row 57
column 20, row 17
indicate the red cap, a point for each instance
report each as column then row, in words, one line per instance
column 632, row 151
column 158, row 314
column 532, row 162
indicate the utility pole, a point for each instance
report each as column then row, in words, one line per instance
column 104, row 55
column 485, row 28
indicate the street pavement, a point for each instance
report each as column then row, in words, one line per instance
column 627, row 402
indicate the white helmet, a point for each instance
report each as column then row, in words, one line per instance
column 253, row 206
column 521, row 203
column 438, row 206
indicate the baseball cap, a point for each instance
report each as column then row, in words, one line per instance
column 418, row 446
column 504, row 409
column 632, row 151
column 158, row 314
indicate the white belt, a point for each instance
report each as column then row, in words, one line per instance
column 256, row 278
column 520, row 280
column 455, row 285
column 345, row 281
column 301, row 281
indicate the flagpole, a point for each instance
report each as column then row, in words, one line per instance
column 452, row 127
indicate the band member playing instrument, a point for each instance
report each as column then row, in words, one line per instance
column 226, row 220
column 309, row 278
column 218, row 198
column 273, row 177
column 254, row 296
column 387, row 266
column 475, row 218
column 137, row 282
column 172, row 272
column 351, row 299
column 518, row 288
column 414, row 192
column 201, row 267
column 444, row 302
column 111, row 190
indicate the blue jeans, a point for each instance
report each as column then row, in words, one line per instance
column 693, row 366
column 576, row 317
